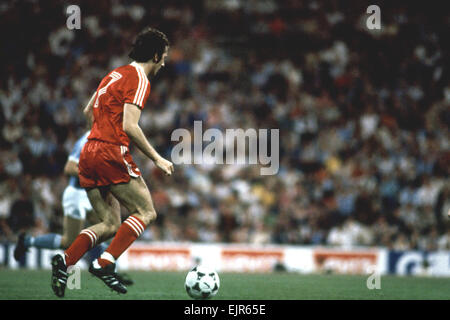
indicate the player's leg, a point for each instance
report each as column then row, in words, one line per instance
column 45, row 241
column 71, row 228
column 92, row 219
column 110, row 217
column 136, row 197
column 74, row 215
column 74, row 219
column 73, row 222
column 107, row 209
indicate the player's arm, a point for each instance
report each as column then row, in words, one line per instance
column 131, row 115
column 71, row 168
column 87, row 111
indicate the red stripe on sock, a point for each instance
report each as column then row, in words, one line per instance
column 125, row 236
column 82, row 244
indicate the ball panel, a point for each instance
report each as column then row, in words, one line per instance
column 202, row 283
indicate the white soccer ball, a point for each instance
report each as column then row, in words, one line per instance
column 202, row 283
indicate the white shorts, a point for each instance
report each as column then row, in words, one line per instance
column 75, row 203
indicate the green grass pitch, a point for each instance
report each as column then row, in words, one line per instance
column 34, row 285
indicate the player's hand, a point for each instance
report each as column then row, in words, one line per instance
column 165, row 165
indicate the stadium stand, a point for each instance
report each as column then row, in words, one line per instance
column 363, row 117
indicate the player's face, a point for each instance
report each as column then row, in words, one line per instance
column 161, row 62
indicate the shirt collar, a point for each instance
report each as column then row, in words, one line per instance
column 136, row 65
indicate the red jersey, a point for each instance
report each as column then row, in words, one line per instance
column 126, row 84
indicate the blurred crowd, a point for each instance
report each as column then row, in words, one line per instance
column 363, row 117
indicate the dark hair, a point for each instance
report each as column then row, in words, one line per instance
column 149, row 42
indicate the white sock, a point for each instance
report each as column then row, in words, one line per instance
column 107, row 256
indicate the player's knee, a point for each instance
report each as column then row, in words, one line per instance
column 112, row 225
column 148, row 216
column 115, row 225
column 152, row 216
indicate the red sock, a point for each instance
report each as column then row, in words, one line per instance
column 82, row 244
column 128, row 232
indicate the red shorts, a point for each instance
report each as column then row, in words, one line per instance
column 102, row 164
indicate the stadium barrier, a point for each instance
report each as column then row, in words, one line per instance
column 160, row 256
column 422, row 263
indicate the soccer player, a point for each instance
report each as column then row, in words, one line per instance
column 106, row 168
column 77, row 209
